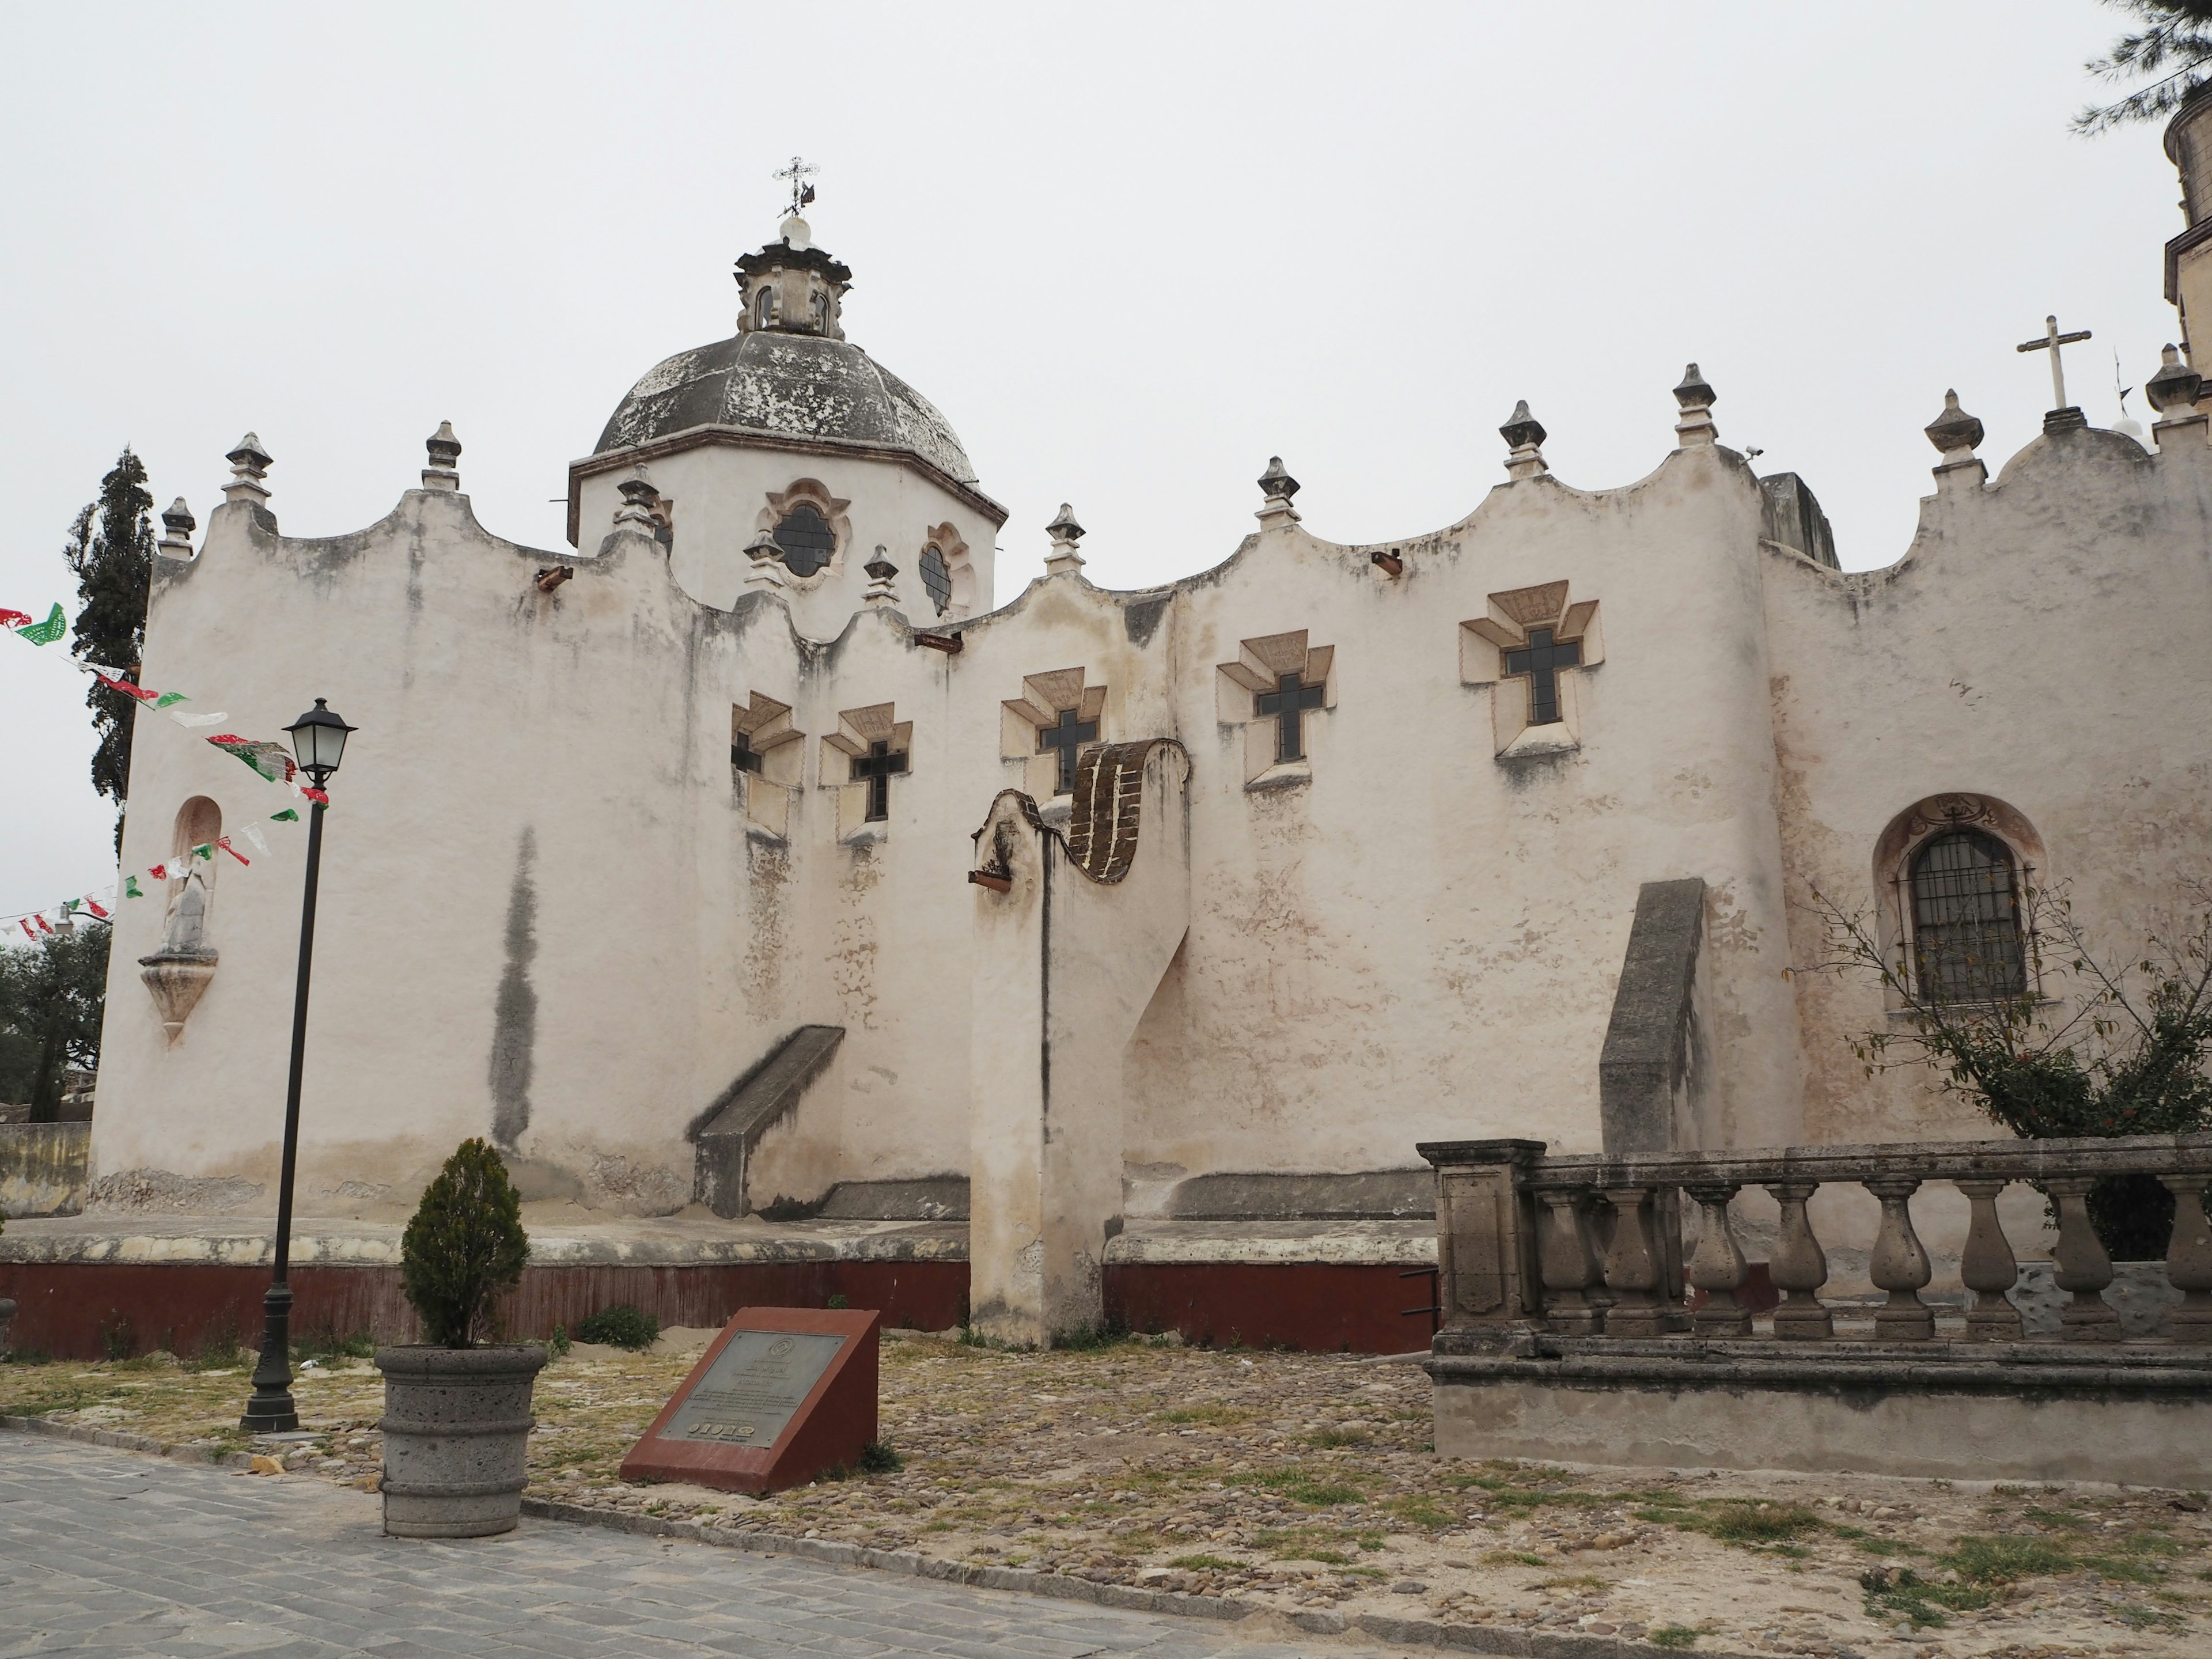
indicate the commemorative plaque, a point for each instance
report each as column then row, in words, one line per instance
column 782, row 1394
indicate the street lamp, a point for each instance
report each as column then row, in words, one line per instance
column 319, row 739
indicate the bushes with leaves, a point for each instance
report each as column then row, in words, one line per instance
column 463, row 1247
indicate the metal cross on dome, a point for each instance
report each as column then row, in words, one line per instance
column 799, row 171
column 2052, row 340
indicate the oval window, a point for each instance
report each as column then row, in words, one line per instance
column 807, row 540
column 936, row 577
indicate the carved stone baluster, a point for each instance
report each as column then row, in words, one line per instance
column 1987, row 1268
column 2083, row 1267
column 1632, row 1267
column 1899, row 1265
column 1717, row 1266
column 1570, row 1265
column 2189, row 1259
column 1799, row 1267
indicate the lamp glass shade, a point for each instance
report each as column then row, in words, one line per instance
column 319, row 739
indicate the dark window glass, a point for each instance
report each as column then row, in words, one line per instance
column 807, row 540
column 937, row 578
column 1967, row 943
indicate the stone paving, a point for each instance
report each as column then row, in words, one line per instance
column 107, row 1554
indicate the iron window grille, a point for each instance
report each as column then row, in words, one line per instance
column 805, row 539
column 936, row 577
column 1967, row 943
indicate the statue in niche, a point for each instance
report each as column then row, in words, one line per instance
column 177, row 975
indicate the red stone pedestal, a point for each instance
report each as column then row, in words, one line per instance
column 782, row 1394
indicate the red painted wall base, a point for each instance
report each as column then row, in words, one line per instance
column 83, row 1310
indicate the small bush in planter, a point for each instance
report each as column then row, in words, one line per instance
column 464, row 1246
column 620, row 1326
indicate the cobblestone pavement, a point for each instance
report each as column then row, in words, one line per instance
column 107, row 1554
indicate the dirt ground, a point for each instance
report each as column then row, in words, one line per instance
column 1300, row 1480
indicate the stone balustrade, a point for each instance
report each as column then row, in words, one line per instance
column 1591, row 1246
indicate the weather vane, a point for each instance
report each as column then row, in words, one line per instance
column 801, row 191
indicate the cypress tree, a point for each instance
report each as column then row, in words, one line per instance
column 111, row 549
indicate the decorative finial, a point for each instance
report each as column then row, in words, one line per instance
column 795, row 229
column 1526, row 434
column 445, row 449
column 1955, row 434
column 639, row 499
column 1696, row 400
column 2173, row 387
column 177, row 527
column 881, row 595
column 1276, row 483
column 768, row 571
column 249, row 465
column 1065, row 533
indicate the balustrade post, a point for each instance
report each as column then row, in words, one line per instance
column 1570, row 1264
column 1717, row 1267
column 1987, row 1268
column 2189, row 1259
column 1799, row 1267
column 2083, row 1268
column 1899, row 1265
column 1632, row 1267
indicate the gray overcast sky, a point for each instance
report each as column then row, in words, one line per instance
column 1131, row 251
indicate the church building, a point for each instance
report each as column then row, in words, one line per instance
column 777, row 892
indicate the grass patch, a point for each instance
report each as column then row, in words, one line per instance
column 1221, row 1416
column 1674, row 1635
column 1580, row 1581
column 2007, row 1558
column 1736, row 1522
column 1206, row 1564
column 2138, row 1617
column 1330, row 1439
column 1316, row 1490
column 1511, row 1558
column 1417, row 1511
column 2060, row 1520
column 1905, row 1594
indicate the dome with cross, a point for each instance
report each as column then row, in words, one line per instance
column 788, row 372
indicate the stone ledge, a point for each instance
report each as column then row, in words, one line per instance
column 2023, row 1368
column 1350, row 1244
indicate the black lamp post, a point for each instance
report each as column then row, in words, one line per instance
column 319, row 739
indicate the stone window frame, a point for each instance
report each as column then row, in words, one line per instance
column 1901, row 843
column 1509, row 617
column 856, row 729
column 767, row 795
column 1023, row 719
column 1260, row 664
column 812, row 492
column 947, row 540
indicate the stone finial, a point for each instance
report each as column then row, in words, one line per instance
column 881, row 594
column 767, row 573
column 445, row 449
column 1065, row 533
column 639, row 498
column 1526, row 436
column 2173, row 387
column 1695, row 400
column 1277, row 486
column 177, row 527
column 249, row 465
column 1955, row 434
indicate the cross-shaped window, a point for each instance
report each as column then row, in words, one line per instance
column 1542, row 662
column 1069, row 735
column 877, row 767
column 742, row 753
column 1288, row 703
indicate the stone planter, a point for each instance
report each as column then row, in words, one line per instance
column 456, row 1423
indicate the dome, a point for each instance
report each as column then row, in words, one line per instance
column 793, row 385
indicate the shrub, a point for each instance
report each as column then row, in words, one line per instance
column 464, row 1246
column 622, row 1326
column 877, row 1457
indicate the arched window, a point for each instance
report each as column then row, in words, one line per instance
column 764, row 305
column 807, row 540
column 1967, row 943
column 936, row 577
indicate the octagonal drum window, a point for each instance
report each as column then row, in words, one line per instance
column 936, row 577
column 807, row 540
